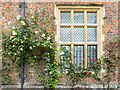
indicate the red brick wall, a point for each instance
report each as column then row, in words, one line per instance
column 110, row 23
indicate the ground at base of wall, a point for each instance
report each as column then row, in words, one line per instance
column 114, row 86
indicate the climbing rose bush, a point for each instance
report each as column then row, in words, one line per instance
column 102, row 70
column 32, row 43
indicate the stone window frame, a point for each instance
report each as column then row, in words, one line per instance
column 99, row 9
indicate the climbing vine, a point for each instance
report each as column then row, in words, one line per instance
column 102, row 70
column 31, row 43
column 35, row 42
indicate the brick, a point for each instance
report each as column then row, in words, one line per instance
column 111, row 11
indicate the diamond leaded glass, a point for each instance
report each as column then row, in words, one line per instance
column 91, row 18
column 91, row 34
column 65, row 17
column 65, row 59
column 78, row 18
column 78, row 34
column 79, row 56
column 92, row 54
column 65, row 34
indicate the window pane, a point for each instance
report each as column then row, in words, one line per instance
column 65, row 59
column 78, row 34
column 92, row 54
column 91, row 18
column 79, row 56
column 91, row 34
column 78, row 18
column 65, row 34
column 65, row 17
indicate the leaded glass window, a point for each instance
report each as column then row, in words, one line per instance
column 91, row 18
column 65, row 60
column 79, row 56
column 78, row 18
column 65, row 17
column 91, row 34
column 92, row 54
column 79, row 30
column 65, row 34
column 78, row 34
